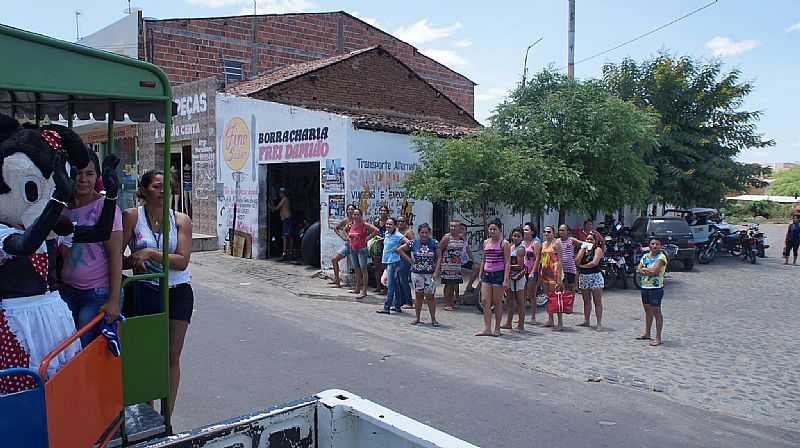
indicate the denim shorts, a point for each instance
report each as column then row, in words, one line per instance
column 358, row 258
column 493, row 278
column 652, row 296
column 345, row 250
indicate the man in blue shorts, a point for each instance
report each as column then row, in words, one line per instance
column 652, row 268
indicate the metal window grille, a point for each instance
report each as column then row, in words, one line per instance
column 233, row 71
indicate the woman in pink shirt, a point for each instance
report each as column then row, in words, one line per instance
column 360, row 232
column 91, row 274
column 495, row 270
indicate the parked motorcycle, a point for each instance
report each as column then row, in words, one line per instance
column 761, row 239
column 620, row 260
column 716, row 242
column 748, row 243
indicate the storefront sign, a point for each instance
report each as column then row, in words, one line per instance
column 179, row 130
column 236, row 144
column 294, row 144
column 192, row 104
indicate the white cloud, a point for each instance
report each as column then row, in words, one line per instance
column 371, row 20
column 463, row 43
column 262, row 6
column 490, row 94
column 423, row 32
column 447, row 57
column 795, row 27
column 722, row 46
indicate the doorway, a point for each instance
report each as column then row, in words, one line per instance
column 180, row 177
column 301, row 181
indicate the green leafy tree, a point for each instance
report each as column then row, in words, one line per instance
column 474, row 173
column 702, row 126
column 593, row 143
column 786, row 183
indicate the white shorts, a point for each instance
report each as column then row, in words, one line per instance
column 39, row 324
column 591, row 281
column 423, row 283
column 518, row 285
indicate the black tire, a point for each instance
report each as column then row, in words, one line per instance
column 751, row 256
column 706, row 255
column 688, row 265
column 310, row 245
column 637, row 280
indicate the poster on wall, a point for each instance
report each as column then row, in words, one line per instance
column 337, row 210
column 332, row 179
column 240, row 191
column 377, row 167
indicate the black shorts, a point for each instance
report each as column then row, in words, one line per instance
column 148, row 301
column 569, row 278
column 287, row 227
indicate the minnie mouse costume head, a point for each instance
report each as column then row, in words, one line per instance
column 34, row 190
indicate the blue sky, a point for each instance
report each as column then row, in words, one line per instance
column 486, row 41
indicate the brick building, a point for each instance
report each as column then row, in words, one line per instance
column 242, row 47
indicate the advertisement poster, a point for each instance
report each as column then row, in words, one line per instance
column 337, row 209
column 333, row 176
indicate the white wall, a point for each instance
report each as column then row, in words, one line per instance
column 379, row 161
column 120, row 37
column 264, row 120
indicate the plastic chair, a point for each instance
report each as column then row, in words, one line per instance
column 84, row 398
column 23, row 415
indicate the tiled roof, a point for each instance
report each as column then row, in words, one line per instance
column 388, row 121
column 289, row 72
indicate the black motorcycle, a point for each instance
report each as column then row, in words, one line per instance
column 715, row 243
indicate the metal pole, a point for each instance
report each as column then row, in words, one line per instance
column 110, row 131
column 77, row 29
column 525, row 64
column 571, row 40
column 165, row 227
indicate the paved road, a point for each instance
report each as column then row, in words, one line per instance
column 256, row 344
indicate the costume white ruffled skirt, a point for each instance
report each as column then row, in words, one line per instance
column 30, row 328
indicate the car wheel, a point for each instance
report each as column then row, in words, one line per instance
column 688, row 265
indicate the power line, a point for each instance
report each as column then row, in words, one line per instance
column 649, row 32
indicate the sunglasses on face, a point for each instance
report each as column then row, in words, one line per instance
column 548, row 231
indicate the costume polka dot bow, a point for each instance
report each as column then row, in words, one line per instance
column 53, row 139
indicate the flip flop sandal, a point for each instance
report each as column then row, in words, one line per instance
column 436, row 324
column 643, row 338
column 383, row 312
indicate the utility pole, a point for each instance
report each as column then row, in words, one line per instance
column 525, row 64
column 571, row 40
column 77, row 29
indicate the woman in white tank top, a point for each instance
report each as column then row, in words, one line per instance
column 142, row 233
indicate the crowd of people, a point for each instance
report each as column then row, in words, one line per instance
column 513, row 268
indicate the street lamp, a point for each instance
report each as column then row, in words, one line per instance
column 525, row 64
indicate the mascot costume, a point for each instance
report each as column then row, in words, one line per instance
column 35, row 187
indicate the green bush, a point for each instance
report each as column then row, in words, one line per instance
column 744, row 212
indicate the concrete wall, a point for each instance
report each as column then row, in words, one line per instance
column 194, row 125
column 356, row 166
column 120, row 37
